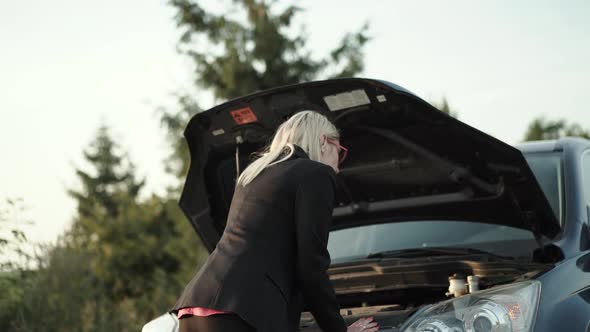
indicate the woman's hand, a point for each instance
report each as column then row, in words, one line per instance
column 363, row 325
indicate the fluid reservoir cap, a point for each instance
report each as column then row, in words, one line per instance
column 457, row 276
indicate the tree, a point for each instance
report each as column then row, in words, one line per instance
column 123, row 262
column 107, row 190
column 64, row 288
column 113, row 175
column 14, row 259
column 135, row 247
column 174, row 123
column 235, row 55
column 13, row 240
column 443, row 106
column 543, row 129
column 127, row 237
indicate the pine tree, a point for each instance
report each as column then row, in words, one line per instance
column 127, row 238
column 112, row 176
column 121, row 263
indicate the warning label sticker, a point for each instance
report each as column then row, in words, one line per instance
column 347, row 100
column 218, row 132
column 244, row 115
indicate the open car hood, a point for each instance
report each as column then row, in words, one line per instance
column 406, row 160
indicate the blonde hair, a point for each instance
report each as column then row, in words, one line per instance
column 303, row 129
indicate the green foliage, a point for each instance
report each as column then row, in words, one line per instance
column 174, row 123
column 123, row 261
column 349, row 53
column 12, row 292
column 131, row 241
column 15, row 258
column 235, row 55
column 112, row 176
column 63, row 294
column 543, row 129
column 12, row 236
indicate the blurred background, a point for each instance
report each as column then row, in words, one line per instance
column 94, row 97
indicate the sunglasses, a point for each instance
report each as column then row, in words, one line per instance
column 342, row 151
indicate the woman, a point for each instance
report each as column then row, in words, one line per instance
column 272, row 256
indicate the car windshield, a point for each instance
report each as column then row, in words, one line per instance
column 361, row 241
column 549, row 173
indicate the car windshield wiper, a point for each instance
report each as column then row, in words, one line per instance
column 435, row 251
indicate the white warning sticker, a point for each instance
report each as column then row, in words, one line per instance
column 347, row 100
column 381, row 98
column 218, row 132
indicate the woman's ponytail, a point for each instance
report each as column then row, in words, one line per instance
column 302, row 129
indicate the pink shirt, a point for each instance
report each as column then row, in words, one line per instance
column 199, row 311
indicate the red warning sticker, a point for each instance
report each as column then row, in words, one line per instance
column 244, row 115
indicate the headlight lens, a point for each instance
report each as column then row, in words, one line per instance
column 509, row 308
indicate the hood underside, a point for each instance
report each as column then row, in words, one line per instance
column 406, row 160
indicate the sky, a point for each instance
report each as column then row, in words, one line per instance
column 68, row 66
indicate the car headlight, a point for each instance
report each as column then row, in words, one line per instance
column 509, row 308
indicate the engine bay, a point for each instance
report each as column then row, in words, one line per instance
column 392, row 290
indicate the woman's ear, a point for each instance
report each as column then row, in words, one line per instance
column 323, row 139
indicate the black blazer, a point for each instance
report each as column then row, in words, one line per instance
column 273, row 253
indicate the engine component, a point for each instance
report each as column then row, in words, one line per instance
column 473, row 283
column 457, row 285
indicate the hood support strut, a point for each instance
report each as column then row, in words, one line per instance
column 239, row 140
column 456, row 173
